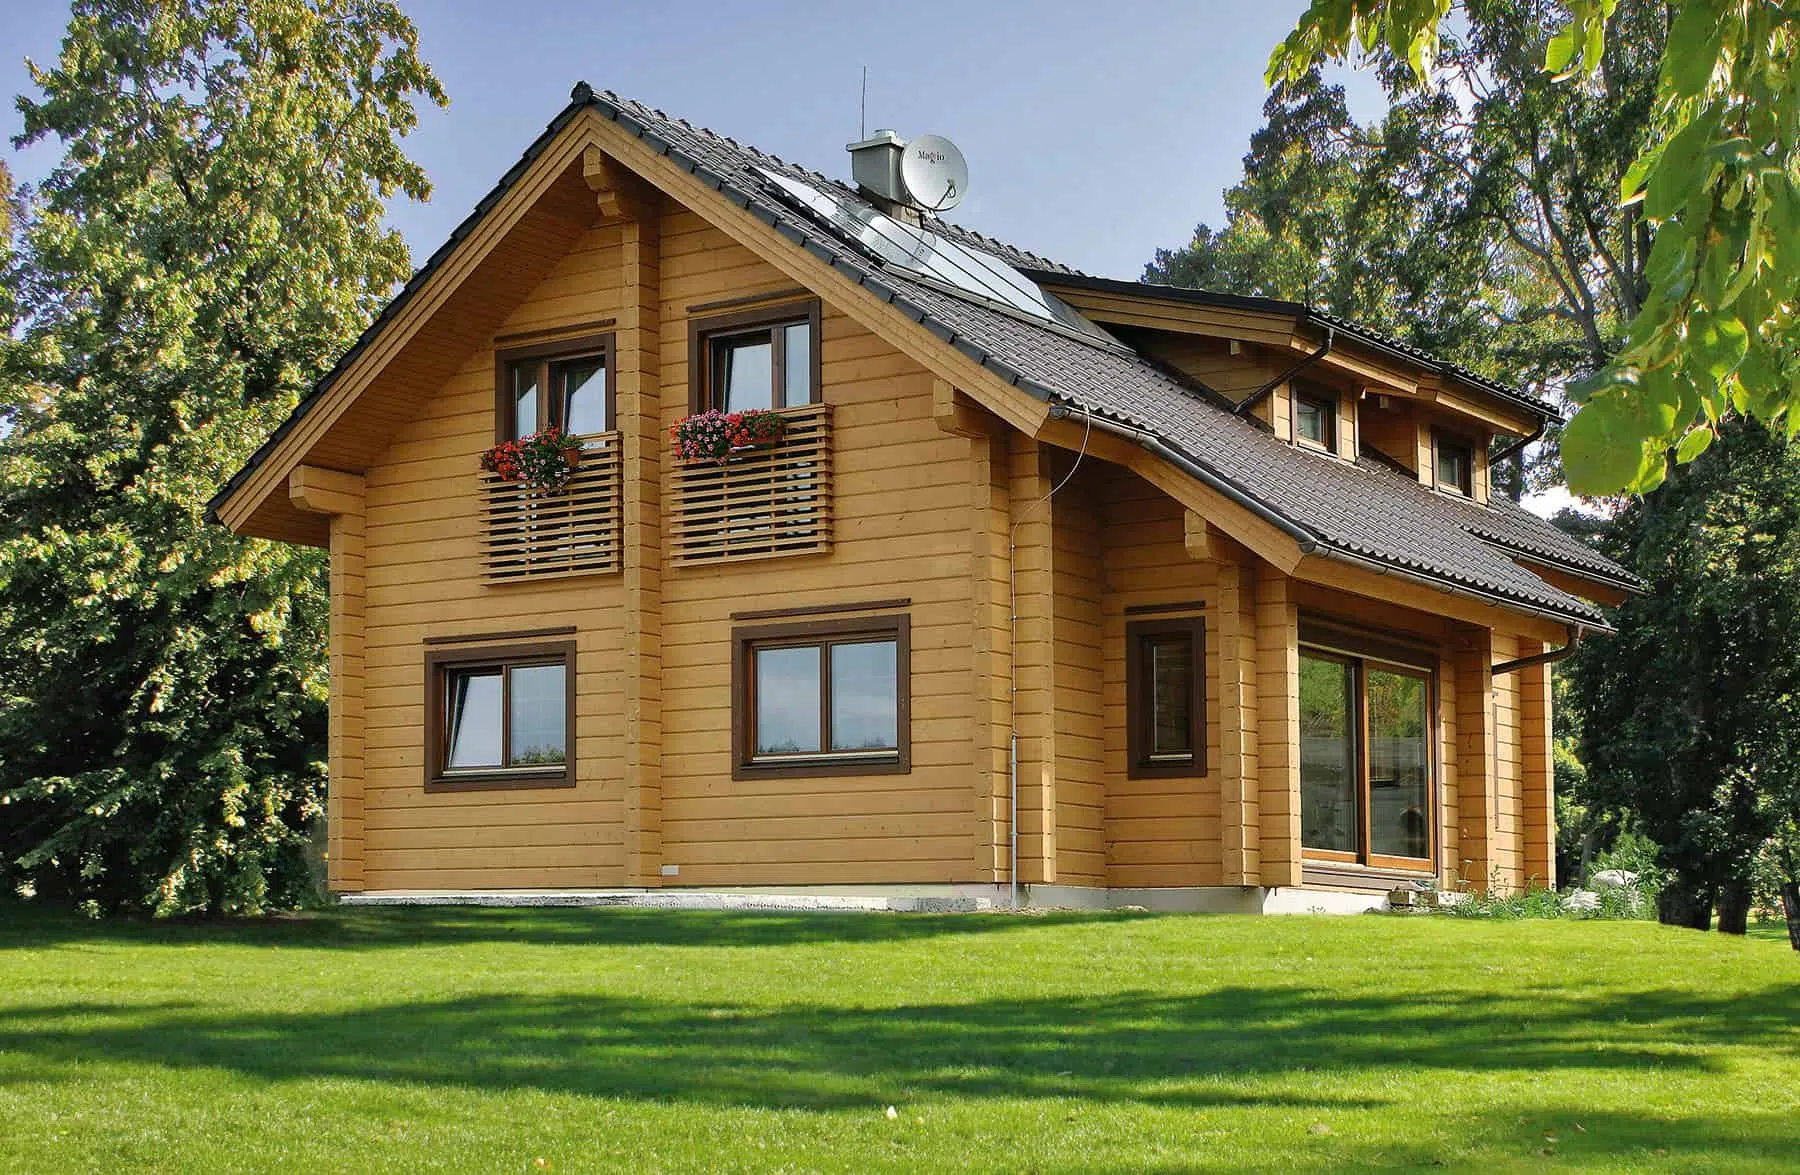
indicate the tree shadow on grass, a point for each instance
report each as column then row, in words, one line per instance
column 34, row 927
column 1141, row 1047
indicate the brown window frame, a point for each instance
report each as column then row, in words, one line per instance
column 1327, row 400
column 745, row 642
column 548, row 355
column 439, row 663
column 1139, row 736
column 765, row 320
column 1360, row 652
column 1441, row 440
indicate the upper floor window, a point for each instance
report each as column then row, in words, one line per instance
column 1165, row 697
column 1315, row 418
column 822, row 698
column 1453, row 463
column 500, row 717
column 756, row 359
column 566, row 384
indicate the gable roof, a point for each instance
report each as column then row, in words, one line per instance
column 1356, row 511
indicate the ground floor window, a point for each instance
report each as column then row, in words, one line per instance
column 500, row 717
column 1165, row 697
column 1365, row 760
column 822, row 698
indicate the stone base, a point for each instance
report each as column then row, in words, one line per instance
column 910, row 899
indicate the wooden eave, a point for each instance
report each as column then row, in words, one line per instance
column 1355, row 363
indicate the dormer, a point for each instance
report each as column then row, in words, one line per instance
column 1315, row 381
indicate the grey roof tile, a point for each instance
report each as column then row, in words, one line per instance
column 1361, row 508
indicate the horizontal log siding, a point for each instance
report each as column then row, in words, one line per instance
column 1509, row 810
column 1159, row 832
column 1080, row 741
column 901, row 501
column 424, row 579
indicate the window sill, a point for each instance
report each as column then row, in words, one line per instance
column 1183, row 769
column 1346, row 875
column 821, row 767
column 499, row 781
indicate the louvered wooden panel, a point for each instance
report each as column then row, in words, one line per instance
column 573, row 531
column 761, row 504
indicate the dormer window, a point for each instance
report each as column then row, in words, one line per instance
column 1454, row 465
column 565, row 384
column 756, row 359
column 1315, row 418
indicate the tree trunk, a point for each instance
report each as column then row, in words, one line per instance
column 1734, row 907
column 1790, row 904
column 1685, row 904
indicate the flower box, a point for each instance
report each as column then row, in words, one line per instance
column 543, row 461
column 713, row 436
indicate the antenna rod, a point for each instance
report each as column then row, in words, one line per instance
column 862, row 114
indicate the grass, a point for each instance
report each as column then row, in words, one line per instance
column 590, row 1040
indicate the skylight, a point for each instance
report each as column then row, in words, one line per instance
column 935, row 258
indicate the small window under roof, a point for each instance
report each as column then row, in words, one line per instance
column 936, row 258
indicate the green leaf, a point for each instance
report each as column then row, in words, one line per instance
column 1692, row 52
column 1601, row 454
column 1678, row 172
column 1692, row 445
column 1717, row 343
column 1560, row 51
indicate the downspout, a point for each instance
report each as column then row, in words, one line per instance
column 1518, row 447
column 1549, row 657
column 1260, row 394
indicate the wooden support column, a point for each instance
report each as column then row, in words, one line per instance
column 1474, row 658
column 341, row 495
column 1537, row 784
column 1278, row 725
column 1034, row 655
column 640, row 430
column 1239, row 772
column 990, row 722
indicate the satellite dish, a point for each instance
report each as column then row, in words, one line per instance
column 933, row 172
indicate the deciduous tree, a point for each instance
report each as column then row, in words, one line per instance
column 210, row 242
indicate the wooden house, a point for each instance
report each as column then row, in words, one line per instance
column 1122, row 592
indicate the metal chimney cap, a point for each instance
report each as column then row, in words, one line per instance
column 882, row 137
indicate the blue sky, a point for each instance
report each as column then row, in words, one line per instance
column 1095, row 133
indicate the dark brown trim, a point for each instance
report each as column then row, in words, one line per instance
column 548, row 354
column 822, row 610
column 1175, row 606
column 701, row 332
column 573, row 330
column 1139, row 715
column 791, row 294
column 745, row 642
column 519, row 634
column 1441, row 438
column 1318, row 394
column 503, row 657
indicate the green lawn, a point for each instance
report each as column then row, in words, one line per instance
column 469, row 1040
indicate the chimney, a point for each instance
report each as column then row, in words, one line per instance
column 875, row 166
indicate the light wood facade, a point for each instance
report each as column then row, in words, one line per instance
column 1018, row 548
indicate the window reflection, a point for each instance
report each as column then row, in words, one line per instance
column 475, row 723
column 743, row 373
column 787, row 701
column 1328, row 815
column 1171, row 696
column 524, row 399
column 864, row 696
column 1399, row 789
column 539, row 708
column 581, row 384
column 796, row 364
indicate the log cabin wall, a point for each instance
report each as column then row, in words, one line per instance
column 1161, row 831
